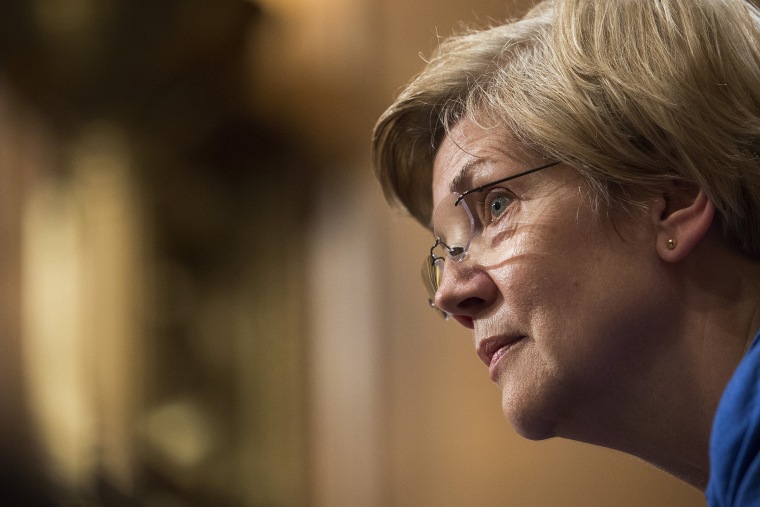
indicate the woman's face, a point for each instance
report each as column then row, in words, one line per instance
column 567, row 307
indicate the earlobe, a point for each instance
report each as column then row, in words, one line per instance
column 681, row 223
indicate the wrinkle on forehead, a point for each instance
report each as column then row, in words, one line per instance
column 468, row 145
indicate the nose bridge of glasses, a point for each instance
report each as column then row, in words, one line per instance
column 441, row 251
column 453, row 225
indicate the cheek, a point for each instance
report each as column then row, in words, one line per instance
column 544, row 267
column 604, row 317
column 576, row 291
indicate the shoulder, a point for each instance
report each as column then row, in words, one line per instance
column 735, row 440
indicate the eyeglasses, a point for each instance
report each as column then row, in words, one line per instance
column 462, row 220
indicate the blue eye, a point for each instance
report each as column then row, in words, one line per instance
column 497, row 205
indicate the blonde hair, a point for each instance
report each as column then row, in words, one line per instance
column 632, row 93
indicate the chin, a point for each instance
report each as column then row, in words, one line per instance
column 529, row 420
column 531, row 430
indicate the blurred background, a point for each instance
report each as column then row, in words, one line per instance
column 205, row 300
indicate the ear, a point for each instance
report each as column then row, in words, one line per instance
column 683, row 217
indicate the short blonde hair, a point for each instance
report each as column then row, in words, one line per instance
column 631, row 93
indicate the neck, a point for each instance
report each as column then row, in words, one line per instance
column 671, row 403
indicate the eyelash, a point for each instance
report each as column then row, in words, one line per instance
column 489, row 198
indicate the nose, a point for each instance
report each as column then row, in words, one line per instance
column 465, row 291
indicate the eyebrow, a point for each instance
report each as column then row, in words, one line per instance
column 508, row 178
column 458, row 183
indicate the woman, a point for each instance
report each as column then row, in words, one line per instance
column 591, row 175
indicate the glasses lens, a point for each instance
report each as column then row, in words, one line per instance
column 454, row 225
column 432, row 270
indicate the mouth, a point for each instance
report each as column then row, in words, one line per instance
column 493, row 349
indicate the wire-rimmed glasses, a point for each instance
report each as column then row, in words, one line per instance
column 458, row 220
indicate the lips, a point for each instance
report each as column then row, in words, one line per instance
column 492, row 349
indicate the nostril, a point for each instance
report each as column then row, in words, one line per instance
column 464, row 309
column 465, row 321
column 467, row 290
column 470, row 304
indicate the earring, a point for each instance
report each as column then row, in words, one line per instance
column 671, row 244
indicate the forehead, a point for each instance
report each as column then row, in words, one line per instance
column 471, row 152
